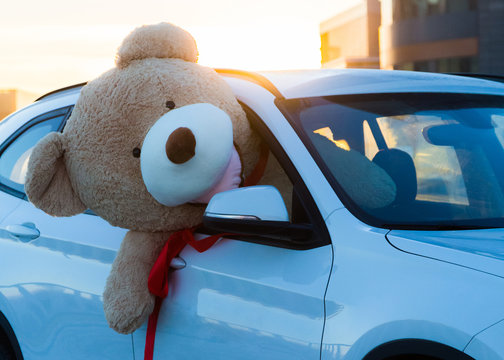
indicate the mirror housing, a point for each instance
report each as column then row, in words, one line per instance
column 257, row 211
column 252, row 203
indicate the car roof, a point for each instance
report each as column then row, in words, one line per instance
column 325, row 82
column 69, row 90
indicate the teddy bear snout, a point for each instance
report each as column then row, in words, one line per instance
column 181, row 145
column 186, row 153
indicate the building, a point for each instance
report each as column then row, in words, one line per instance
column 423, row 35
column 443, row 35
column 11, row 100
column 350, row 39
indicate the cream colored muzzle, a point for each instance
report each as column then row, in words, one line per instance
column 175, row 183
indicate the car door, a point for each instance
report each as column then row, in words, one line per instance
column 54, row 269
column 243, row 300
column 248, row 298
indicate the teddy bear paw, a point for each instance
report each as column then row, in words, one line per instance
column 127, row 315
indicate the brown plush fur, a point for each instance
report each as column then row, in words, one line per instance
column 112, row 117
column 127, row 304
column 48, row 179
column 91, row 164
column 157, row 41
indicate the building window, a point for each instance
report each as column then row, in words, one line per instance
column 408, row 9
column 467, row 64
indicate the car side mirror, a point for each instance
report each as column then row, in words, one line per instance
column 254, row 211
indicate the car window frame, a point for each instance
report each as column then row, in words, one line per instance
column 65, row 111
column 320, row 235
column 347, row 201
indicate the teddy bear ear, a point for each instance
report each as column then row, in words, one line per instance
column 47, row 183
column 163, row 40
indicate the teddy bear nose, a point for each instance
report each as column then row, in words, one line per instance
column 180, row 145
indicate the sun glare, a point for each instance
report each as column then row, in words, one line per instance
column 42, row 51
column 328, row 134
column 251, row 48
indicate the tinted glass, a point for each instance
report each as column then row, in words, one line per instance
column 14, row 158
column 407, row 9
column 466, row 64
column 410, row 160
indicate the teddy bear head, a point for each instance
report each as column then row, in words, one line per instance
column 147, row 141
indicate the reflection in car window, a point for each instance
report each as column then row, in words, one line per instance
column 14, row 158
column 370, row 146
column 442, row 153
column 498, row 121
column 439, row 177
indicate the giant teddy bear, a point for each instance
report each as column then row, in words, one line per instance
column 145, row 147
column 148, row 143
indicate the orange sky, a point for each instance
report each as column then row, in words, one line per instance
column 49, row 44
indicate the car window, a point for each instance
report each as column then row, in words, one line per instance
column 438, row 173
column 284, row 176
column 16, row 151
column 416, row 161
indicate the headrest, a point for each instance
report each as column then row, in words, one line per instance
column 401, row 168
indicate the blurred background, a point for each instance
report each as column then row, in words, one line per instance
column 45, row 45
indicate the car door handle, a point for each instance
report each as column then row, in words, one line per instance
column 177, row 263
column 24, row 232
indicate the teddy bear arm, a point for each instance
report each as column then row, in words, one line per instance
column 47, row 184
column 127, row 301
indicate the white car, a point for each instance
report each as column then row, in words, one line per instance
column 352, row 274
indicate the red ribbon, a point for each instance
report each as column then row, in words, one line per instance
column 158, row 277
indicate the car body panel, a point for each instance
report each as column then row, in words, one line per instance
column 395, row 295
column 477, row 249
column 488, row 344
column 9, row 204
column 243, row 300
column 58, row 283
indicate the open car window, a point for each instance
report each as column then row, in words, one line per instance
column 301, row 207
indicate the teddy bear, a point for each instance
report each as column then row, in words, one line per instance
column 147, row 145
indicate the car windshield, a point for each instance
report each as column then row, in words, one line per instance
column 411, row 161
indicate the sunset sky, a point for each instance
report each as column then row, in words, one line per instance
column 55, row 43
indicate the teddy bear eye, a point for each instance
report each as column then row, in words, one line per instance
column 136, row 152
column 170, row 104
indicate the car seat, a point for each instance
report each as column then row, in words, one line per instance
column 400, row 167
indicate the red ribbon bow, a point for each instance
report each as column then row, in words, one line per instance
column 158, row 277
